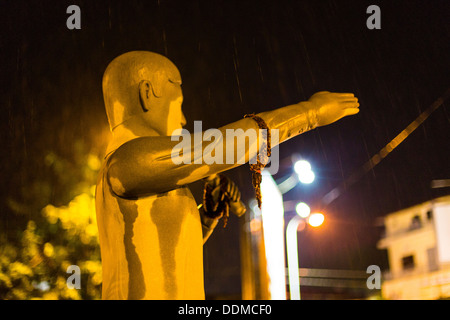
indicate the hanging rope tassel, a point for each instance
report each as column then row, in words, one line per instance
column 260, row 163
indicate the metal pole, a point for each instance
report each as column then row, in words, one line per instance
column 292, row 257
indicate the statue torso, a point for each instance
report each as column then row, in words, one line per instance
column 152, row 246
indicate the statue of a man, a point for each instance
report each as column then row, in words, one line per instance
column 150, row 229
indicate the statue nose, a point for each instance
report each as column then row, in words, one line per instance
column 183, row 120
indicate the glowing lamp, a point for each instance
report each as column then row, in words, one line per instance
column 316, row 219
column 302, row 209
column 304, row 172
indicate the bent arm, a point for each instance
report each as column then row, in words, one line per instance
column 145, row 165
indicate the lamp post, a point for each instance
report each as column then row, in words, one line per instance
column 272, row 218
column 305, row 175
column 292, row 257
column 314, row 220
column 272, row 231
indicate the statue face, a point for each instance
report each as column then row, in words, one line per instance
column 174, row 118
column 165, row 114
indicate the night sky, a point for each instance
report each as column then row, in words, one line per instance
column 239, row 57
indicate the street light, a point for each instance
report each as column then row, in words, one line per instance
column 304, row 171
column 302, row 209
column 292, row 257
column 272, row 212
column 314, row 220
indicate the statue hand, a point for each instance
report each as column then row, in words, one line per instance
column 331, row 106
column 232, row 190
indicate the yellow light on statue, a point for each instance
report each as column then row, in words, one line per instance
column 316, row 220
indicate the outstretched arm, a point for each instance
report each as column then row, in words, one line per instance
column 145, row 166
column 321, row 109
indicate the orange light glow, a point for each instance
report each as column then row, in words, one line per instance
column 316, row 219
column 255, row 225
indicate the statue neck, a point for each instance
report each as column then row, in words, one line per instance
column 128, row 130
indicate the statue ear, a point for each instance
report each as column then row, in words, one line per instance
column 146, row 91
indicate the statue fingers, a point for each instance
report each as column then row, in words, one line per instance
column 350, row 111
column 350, row 104
column 346, row 95
column 348, row 99
column 235, row 196
column 238, row 195
column 234, row 193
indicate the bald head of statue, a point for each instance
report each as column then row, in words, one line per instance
column 142, row 90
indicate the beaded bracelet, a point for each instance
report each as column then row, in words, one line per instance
column 259, row 165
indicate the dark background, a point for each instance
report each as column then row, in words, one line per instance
column 239, row 57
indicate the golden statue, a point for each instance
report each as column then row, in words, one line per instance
column 150, row 229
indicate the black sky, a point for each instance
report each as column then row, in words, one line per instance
column 239, row 57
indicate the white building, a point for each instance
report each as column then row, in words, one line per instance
column 417, row 240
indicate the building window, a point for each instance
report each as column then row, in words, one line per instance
column 429, row 215
column 408, row 262
column 433, row 264
column 416, row 223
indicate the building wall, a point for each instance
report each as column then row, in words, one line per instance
column 425, row 286
column 415, row 272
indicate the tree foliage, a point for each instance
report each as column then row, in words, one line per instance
column 41, row 241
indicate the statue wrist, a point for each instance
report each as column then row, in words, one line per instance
column 313, row 118
column 209, row 223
